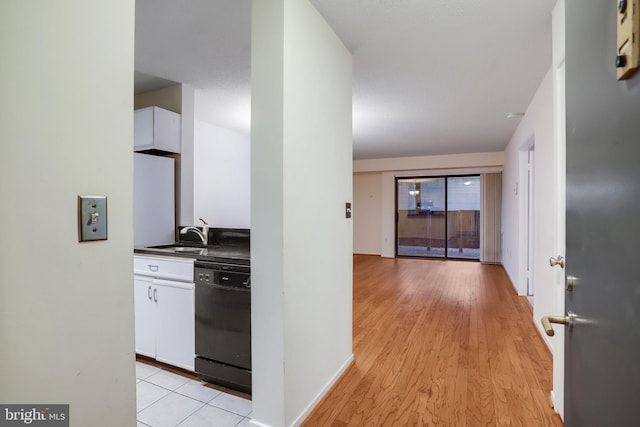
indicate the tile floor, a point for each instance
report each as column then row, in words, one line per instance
column 166, row 399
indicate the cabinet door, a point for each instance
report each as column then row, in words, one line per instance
column 156, row 128
column 145, row 315
column 166, row 130
column 175, row 337
column 143, row 129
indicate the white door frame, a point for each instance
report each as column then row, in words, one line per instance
column 558, row 25
column 531, row 203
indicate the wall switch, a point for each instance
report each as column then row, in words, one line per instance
column 347, row 210
column 92, row 218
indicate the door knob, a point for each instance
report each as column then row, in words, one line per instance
column 559, row 260
column 567, row 320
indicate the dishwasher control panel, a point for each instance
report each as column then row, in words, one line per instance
column 231, row 276
column 203, row 275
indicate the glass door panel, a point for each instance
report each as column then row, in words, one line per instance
column 438, row 217
column 463, row 213
column 421, row 225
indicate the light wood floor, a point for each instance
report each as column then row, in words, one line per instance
column 446, row 343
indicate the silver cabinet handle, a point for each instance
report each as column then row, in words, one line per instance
column 567, row 320
column 559, row 260
column 153, row 267
column 155, row 295
column 149, row 292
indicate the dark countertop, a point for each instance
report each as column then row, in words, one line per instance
column 218, row 253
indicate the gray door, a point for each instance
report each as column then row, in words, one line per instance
column 602, row 351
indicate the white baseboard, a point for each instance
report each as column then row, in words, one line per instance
column 305, row 413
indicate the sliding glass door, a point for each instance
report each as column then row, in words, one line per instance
column 421, row 222
column 438, row 217
column 463, row 217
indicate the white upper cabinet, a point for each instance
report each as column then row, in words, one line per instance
column 156, row 129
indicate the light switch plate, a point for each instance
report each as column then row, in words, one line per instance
column 92, row 218
column 347, row 210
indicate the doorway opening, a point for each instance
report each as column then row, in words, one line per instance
column 530, row 221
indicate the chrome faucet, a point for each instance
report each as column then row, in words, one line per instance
column 204, row 234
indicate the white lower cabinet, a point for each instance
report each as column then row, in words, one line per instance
column 145, row 311
column 164, row 316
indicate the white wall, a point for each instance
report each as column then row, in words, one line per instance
column 169, row 98
column 66, row 128
column 185, row 180
column 537, row 127
column 367, row 213
column 449, row 163
column 301, row 241
column 514, row 213
column 542, row 125
column 222, row 176
column 374, row 230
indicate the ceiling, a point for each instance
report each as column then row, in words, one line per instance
column 430, row 76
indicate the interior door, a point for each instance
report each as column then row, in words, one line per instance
column 602, row 350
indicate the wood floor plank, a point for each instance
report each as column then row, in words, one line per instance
column 439, row 343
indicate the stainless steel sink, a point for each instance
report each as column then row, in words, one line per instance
column 179, row 247
column 188, row 249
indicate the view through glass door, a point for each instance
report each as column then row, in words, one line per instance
column 438, row 217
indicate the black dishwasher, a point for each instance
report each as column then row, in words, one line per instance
column 223, row 324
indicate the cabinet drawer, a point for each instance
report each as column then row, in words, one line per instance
column 164, row 267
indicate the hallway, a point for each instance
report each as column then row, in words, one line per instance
column 445, row 343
